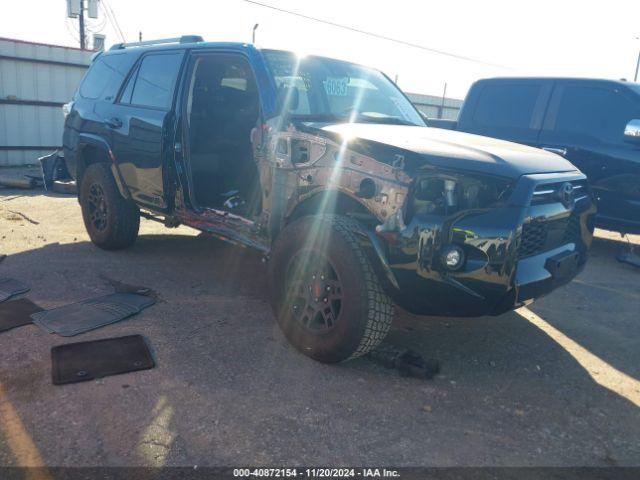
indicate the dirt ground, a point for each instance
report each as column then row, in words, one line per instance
column 556, row 384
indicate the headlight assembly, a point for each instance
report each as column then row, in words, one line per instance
column 440, row 193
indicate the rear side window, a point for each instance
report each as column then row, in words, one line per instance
column 155, row 81
column 105, row 77
column 597, row 113
column 508, row 106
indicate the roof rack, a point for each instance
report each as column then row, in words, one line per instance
column 161, row 41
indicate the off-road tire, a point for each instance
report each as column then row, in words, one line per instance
column 122, row 217
column 367, row 312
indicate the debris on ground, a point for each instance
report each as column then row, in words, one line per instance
column 67, row 187
column 25, row 182
column 54, row 169
column 121, row 287
column 407, row 362
column 630, row 258
column 14, row 216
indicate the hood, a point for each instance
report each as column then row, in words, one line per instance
column 455, row 150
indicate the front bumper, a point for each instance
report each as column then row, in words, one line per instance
column 514, row 253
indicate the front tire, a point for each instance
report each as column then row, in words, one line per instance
column 112, row 221
column 326, row 295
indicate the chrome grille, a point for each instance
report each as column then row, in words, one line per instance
column 548, row 192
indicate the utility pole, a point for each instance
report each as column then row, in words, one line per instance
column 444, row 96
column 253, row 34
column 635, row 79
column 83, row 42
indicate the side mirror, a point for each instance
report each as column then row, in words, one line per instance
column 632, row 131
column 288, row 99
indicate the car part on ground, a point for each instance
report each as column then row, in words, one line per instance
column 24, row 182
column 111, row 221
column 66, row 187
column 54, row 168
column 17, row 313
column 630, row 257
column 407, row 362
column 121, row 287
column 81, row 317
column 10, row 287
column 325, row 294
column 83, row 361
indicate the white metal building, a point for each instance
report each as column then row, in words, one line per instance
column 35, row 81
column 436, row 107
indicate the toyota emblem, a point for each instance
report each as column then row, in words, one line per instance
column 566, row 194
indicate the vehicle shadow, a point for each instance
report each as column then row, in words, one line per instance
column 508, row 393
column 599, row 309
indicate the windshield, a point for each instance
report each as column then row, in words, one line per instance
column 323, row 89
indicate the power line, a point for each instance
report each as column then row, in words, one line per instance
column 115, row 20
column 112, row 18
column 379, row 36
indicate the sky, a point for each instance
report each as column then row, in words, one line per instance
column 525, row 37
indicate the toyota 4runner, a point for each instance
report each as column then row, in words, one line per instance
column 327, row 169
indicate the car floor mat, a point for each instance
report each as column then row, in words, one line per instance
column 10, row 287
column 17, row 313
column 83, row 361
column 76, row 318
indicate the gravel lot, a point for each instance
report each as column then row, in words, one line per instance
column 552, row 385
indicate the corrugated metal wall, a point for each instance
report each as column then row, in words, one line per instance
column 35, row 81
column 434, row 107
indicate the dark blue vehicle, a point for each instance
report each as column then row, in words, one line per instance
column 593, row 123
column 326, row 168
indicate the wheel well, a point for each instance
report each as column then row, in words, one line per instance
column 331, row 201
column 90, row 154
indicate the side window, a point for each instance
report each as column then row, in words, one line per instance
column 154, row 82
column 509, row 106
column 105, row 77
column 594, row 113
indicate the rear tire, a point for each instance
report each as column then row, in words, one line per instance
column 325, row 293
column 112, row 221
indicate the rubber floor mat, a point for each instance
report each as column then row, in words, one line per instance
column 16, row 313
column 79, row 362
column 81, row 317
column 10, row 287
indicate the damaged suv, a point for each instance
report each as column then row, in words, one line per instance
column 327, row 169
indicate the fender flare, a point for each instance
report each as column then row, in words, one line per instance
column 100, row 143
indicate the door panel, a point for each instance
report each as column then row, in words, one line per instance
column 138, row 148
column 142, row 129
